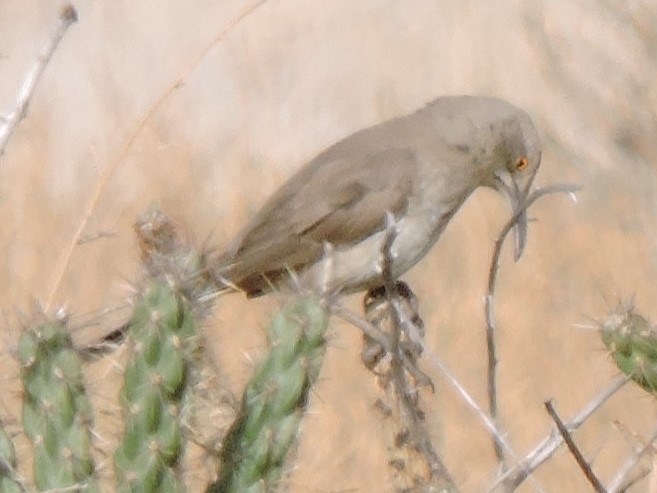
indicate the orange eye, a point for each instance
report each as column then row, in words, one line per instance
column 522, row 163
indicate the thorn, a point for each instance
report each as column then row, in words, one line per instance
column 61, row 314
column 573, row 197
column 585, row 326
column 327, row 267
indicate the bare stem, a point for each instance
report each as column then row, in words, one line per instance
column 490, row 293
column 392, row 294
column 621, row 479
column 572, row 446
column 10, row 121
column 8, row 471
column 410, row 412
column 546, row 448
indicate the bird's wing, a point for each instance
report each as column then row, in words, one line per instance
column 340, row 200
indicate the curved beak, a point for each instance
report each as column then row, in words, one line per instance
column 516, row 190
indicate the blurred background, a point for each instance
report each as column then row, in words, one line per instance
column 289, row 79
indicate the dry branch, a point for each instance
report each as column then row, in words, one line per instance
column 574, row 450
column 511, row 479
column 490, row 293
column 393, row 326
column 10, row 121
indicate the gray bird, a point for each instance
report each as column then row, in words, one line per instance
column 419, row 167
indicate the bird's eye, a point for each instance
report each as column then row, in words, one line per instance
column 522, row 163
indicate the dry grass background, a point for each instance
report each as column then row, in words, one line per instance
column 291, row 78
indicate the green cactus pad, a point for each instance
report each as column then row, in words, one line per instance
column 155, row 384
column 254, row 449
column 56, row 410
column 632, row 342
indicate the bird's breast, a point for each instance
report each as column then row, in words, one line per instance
column 359, row 266
column 433, row 202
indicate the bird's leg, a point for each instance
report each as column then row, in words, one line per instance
column 411, row 342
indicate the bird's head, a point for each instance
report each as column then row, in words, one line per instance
column 513, row 158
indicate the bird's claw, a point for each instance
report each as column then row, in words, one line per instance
column 411, row 339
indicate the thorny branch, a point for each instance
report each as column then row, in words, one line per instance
column 393, row 295
column 409, row 410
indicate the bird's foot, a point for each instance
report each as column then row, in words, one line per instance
column 409, row 341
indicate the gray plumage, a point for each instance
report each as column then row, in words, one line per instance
column 420, row 167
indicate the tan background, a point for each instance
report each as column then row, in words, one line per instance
column 286, row 81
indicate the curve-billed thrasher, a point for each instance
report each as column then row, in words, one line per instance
column 420, row 167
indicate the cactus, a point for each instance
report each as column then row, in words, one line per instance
column 155, row 384
column 9, row 483
column 632, row 341
column 56, row 410
column 274, row 400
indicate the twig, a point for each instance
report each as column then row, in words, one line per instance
column 577, row 454
column 409, row 410
column 638, row 477
column 620, row 481
column 544, row 450
column 109, row 171
column 67, row 16
column 490, row 293
column 357, row 321
column 392, row 294
column 483, row 416
column 7, row 470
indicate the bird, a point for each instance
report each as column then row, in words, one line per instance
column 417, row 168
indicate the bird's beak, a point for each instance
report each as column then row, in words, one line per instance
column 516, row 189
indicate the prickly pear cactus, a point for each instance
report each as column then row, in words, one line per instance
column 274, row 400
column 56, row 411
column 632, row 341
column 153, row 392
